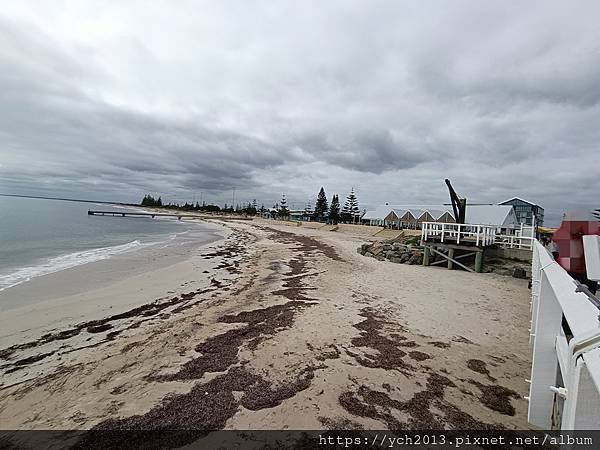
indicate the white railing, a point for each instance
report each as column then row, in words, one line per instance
column 514, row 241
column 482, row 235
column 565, row 371
column 522, row 238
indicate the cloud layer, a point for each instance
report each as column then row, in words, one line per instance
column 272, row 97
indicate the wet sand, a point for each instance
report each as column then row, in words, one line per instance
column 294, row 331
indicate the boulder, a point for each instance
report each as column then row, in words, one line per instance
column 377, row 251
column 391, row 254
column 415, row 259
column 519, row 272
column 395, row 260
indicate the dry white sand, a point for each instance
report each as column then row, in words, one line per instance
column 326, row 338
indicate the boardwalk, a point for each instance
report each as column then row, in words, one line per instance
column 179, row 215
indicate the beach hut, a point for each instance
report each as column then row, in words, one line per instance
column 425, row 216
column 392, row 220
column 376, row 217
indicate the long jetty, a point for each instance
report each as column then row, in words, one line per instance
column 157, row 214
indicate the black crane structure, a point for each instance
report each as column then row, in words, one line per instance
column 459, row 205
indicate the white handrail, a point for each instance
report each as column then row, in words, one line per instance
column 561, row 367
column 483, row 235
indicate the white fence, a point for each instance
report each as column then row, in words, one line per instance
column 565, row 373
column 481, row 235
column 523, row 238
column 514, row 241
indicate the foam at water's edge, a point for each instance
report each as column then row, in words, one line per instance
column 63, row 262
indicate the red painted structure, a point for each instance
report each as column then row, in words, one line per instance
column 568, row 239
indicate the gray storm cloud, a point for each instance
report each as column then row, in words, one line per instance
column 271, row 97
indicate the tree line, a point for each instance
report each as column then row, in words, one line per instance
column 327, row 211
column 324, row 210
column 250, row 209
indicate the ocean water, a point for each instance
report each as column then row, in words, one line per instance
column 40, row 237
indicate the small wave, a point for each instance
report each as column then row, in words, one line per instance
column 63, row 262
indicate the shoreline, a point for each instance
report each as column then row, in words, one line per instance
column 300, row 332
column 98, row 290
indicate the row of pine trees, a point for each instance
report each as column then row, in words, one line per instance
column 327, row 211
column 331, row 212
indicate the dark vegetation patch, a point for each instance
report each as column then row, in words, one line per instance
column 462, row 340
column 98, row 328
column 264, row 395
column 380, row 406
column 27, row 361
column 219, row 352
column 419, row 356
column 389, row 355
column 205, row 408
column 119, row 389
column 479, row 366
column 306, row 244
column 496, row 397
column 334, row 353
column 113, row 335
column 440, row 344
column 339, row 423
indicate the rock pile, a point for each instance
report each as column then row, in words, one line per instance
column 396, row 252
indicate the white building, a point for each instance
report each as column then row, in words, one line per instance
column 503, row 217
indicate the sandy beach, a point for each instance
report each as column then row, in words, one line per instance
column 280, row 327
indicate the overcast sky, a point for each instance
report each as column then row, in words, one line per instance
column 110, row 100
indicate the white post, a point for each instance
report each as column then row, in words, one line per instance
column 544, row 363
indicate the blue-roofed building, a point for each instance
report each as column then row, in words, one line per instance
column 526, row 211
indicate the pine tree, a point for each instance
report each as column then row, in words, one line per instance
column 283, row 211
column 350, row 211
column 321, row 207
column 334, row 210
column 148, row 200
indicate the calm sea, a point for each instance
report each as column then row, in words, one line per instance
column 39, row 237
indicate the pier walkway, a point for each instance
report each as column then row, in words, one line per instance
column 179, row 215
